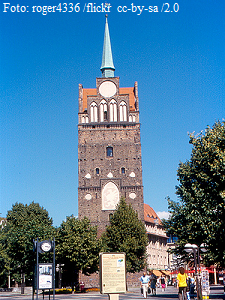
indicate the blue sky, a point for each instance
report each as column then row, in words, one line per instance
column 178, row 59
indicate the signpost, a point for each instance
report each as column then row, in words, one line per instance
column 44, row 272
column 113, row 274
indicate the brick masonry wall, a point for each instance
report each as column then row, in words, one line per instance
column 92, row 143
column 92, row 281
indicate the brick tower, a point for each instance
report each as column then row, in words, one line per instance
column 109, row 146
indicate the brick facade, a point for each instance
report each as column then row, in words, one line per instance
column 108, row 121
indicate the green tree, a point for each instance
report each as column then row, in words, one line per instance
column 24, row 223
column 200, row 215
column 126, row 233
column 4, row 266
column 77, row 248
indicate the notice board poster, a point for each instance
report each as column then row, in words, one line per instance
column 112, row 273
column 45, row 276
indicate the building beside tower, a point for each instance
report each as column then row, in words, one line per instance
column 109, row 146
column 157, row 255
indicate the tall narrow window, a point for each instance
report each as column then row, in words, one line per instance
column 113, row 111
column 123, row 111
column 97, row 171
column 122, row 170
column 110, row 216
column 94, row 112
column 109, row 151
column 103, row 111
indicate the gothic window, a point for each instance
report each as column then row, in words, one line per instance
column 132, row 118
column 94, row 112
column 123, row 111
column 109, row 151
column 113, row 111
column 85, row 119
column 103, row 111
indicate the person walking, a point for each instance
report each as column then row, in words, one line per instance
column 144, row 284
column 163, row 283
column 182, row 284
column 153, row 280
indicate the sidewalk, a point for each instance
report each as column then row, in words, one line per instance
column 216, row 292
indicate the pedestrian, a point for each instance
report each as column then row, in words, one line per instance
column 182, row 284
column 153, row 280
column 163, row 283
column 144, row 284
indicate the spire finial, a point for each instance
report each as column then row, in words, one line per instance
column 107, row 66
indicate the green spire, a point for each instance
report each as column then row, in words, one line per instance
column 107, row 67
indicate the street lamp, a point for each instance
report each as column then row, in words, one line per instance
column 195, row 250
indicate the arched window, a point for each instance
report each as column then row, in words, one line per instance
column 132, row 118
column 97, row 171
column 94, row 112
column 103, row 111
column 123, row 111
column 113, row 111
column 85, row 119
column 122, row 170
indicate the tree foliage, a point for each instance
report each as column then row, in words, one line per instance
column 24, row 223
column 126, row 233
column 200, row 216
column 77, row 247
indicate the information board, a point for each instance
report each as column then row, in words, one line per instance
column 45, row 276
column 112, row 273
column 205, row 282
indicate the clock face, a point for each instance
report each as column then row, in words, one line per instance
column 46, row 246
column 107, row 89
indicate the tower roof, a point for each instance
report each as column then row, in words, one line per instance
column 107, row 66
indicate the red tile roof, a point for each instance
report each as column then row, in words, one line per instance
column 150, row 215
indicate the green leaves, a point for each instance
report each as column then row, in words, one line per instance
column 126, row 233
column 200, row 217
column 77, row 245
column 24, row 223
